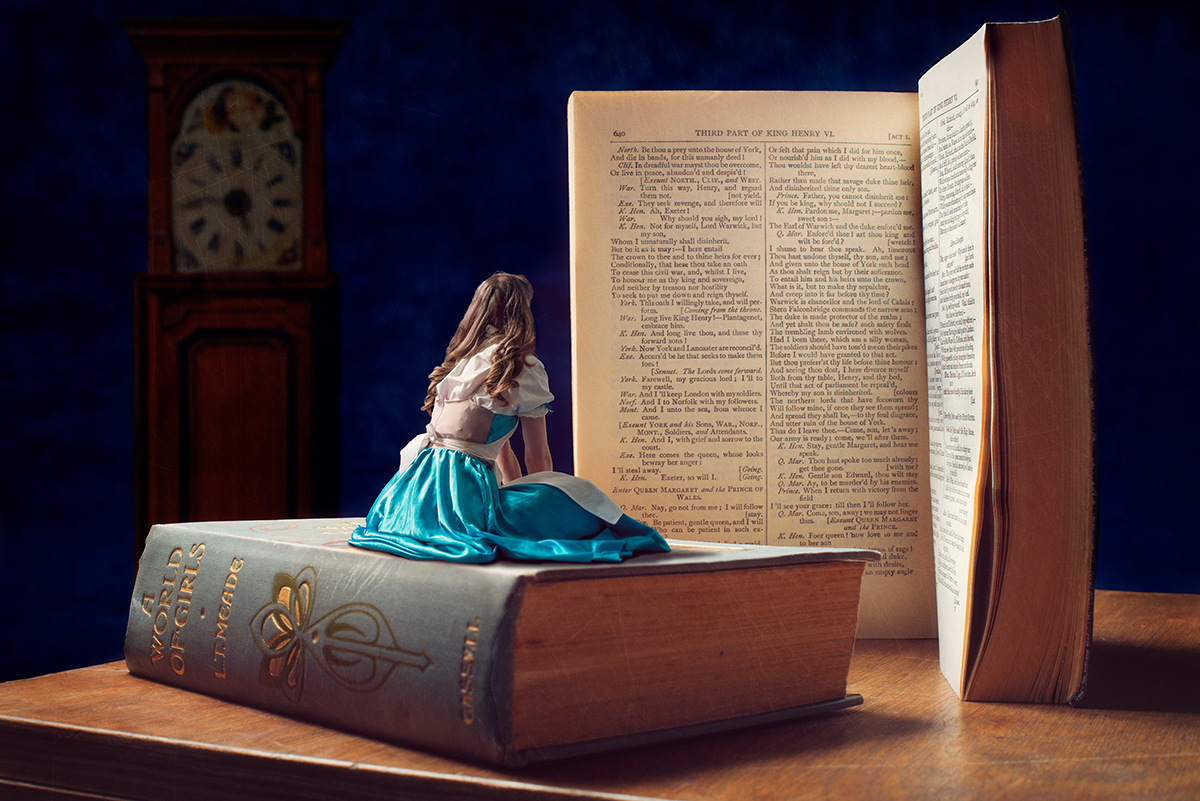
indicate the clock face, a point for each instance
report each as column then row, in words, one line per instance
column 235, row 183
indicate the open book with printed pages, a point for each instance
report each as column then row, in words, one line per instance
column 856, row 319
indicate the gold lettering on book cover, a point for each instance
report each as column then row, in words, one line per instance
column 174, row 603
column 354, row 644
column 466, row 674
column 223, row 613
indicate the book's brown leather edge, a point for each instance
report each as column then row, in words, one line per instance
column 538, row 756
column 1069, row 53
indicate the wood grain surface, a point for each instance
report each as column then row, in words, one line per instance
column 100, row 733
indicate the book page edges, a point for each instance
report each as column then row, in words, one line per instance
column 1050, row 651
column 680, row 643
column 704, row 557
column 573, row 249
column 1069, row 54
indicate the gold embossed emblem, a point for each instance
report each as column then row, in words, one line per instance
column 353, row 644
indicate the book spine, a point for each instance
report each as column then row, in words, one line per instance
column 357, row 640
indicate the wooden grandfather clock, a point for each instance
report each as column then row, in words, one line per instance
column 236, row 317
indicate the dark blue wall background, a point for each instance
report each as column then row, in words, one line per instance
column 446, row 152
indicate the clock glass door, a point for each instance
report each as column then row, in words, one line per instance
column 235, row 183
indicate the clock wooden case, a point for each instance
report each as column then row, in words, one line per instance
column 236, row 317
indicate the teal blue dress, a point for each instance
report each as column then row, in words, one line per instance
column 445, row 502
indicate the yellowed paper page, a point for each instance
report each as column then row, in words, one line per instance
column 954, row 164
column 748, row 325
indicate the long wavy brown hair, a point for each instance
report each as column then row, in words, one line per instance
column 499, row 314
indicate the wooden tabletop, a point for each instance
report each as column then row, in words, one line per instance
column 99, row 732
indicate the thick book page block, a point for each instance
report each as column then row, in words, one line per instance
column 1009, row 365
column 684, row 661
column 747, row 320
column 1043, row 501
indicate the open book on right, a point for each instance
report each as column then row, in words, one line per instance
column 857, row 319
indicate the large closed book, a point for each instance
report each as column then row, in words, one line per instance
column 509, row 663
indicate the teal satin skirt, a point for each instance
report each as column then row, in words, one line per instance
column 447, row 505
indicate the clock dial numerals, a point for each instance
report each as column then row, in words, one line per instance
column 236, row 192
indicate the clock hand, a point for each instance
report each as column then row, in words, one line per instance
column 198, row 202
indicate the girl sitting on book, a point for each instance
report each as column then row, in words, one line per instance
column 459, row 494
